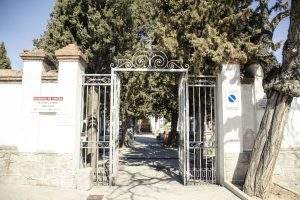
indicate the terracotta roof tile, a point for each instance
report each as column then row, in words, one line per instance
column 70, row 51
column 10, row 75
column 7, row 75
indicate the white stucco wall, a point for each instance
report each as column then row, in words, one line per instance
column 291, row 138
column 238, row 126
column 10, row 109
column 42, row 132
column 229, row 118
column 253, row 97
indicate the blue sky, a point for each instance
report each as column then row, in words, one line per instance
column 21, row 21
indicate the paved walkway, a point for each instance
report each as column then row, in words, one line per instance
column 147, row 172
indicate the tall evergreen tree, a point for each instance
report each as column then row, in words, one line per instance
column 102, row 29
column 4, row 60
column 202, row 34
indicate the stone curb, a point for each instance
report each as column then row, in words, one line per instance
column 237, row 191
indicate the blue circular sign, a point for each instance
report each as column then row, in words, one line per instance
column 231, row 98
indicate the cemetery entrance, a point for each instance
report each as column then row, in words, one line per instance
column 197, row 148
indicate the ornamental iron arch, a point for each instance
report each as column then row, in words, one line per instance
column 149, row 61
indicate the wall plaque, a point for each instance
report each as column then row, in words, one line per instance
column 47, row 104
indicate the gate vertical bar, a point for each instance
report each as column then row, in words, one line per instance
column 181, row 136
column 187, row 127
column 184, row 165
column 114, row 127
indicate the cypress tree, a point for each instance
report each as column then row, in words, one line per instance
column 4, row 60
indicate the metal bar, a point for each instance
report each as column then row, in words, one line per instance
column 194, row 130
column 216, row 134
column 187, row 128
column 149, row 70
column 112, row 127
column 205, row 128
column 87, row 123
column 211, row 121
column 204, row 86
column 201, row 76
column 104, row 119
column 96, row 84
column 95, row 75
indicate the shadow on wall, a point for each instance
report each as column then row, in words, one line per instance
column 236, row 163
column 286, row 165
column 292, row 129
column 239, row 174
column 239, row 146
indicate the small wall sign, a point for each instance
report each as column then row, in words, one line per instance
column 262, row 103
column 232, row 99
column 47, row 104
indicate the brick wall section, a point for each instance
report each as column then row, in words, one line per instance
column 36, row 168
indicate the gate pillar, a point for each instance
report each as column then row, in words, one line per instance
column 72, row 65
column 36, row 63
column 229, row 116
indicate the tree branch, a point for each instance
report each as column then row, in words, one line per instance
column 264, row 11
column 278, row 18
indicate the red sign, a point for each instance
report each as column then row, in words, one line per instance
column 47, row 104
column 48, row 98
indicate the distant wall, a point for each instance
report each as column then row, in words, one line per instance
column 10, row 109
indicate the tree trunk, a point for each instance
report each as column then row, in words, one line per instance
column 267, row 145
column 123, row 130
column 282, row 87
column 93, row 110
column 173, row 133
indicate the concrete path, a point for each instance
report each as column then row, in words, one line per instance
column 147, row 172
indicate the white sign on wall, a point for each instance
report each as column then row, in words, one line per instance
column 47, row 104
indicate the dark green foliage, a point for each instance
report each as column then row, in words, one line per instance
column 102, row 29
column 4, row 60
column 203, row 34
column 207, row 33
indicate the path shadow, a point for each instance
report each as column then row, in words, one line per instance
column 148, row 151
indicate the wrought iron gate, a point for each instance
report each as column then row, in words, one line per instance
column 95, row 147
column 196, row 123
column 183, row 124
column 202, row 135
